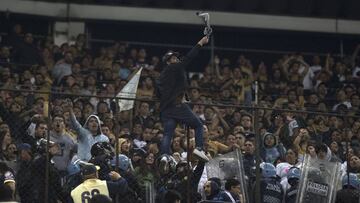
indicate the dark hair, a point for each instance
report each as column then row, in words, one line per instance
column 4, row 167
column 216, row 180
column 99, row 198
column 231, row 183
column 321, row 147
column 59, row 116
column 171, row 196
column 39, row 123
column 6, row 194
column 2, row 135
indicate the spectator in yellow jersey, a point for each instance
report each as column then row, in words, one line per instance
column 93, row 186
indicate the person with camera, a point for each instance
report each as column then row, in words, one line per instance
column 171, row 88
column 38, row 171
column 87, row 135
column 93, row 186
column 101, row 155
column 41, row 129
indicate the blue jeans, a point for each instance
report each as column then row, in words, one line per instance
column 173, row 115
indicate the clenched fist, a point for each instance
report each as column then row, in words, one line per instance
column 203, row 41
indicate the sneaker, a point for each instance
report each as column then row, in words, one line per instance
column 163, row 165
column 201, row 154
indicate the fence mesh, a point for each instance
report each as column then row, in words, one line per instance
column 43, row 147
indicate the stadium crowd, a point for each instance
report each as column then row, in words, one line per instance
column 82, row 123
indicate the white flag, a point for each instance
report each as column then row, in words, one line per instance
column 129, row 91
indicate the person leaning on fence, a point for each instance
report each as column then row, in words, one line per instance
column 171, row 87
column 88, row 135
column 92, row 185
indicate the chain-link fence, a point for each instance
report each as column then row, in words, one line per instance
column 49, row 144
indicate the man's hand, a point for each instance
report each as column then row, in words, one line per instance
column 203, row 41
column 67, row 105
column 114, row 175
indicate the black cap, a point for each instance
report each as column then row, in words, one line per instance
column 89, row 169
column 168, row 55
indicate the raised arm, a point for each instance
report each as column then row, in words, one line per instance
column 194, row 51
column 74, row 123
column 217, row 68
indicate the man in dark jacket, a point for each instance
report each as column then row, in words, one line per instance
column 232, row 192
column 171, row 88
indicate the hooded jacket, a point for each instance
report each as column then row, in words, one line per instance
column 271, row 153
column 85, row 138
column 215, row 192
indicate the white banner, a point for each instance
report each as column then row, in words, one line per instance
column 129, row 91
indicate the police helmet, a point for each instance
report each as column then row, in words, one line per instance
column 293, row 173
column 268, row 170
column 124, row 162
column 351, row 180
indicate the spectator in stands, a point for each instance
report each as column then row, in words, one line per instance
column 6, row 194
column 66, row 143
column 144, row 116
column 24, row 173
column 38, row 175
column 354, row 164
column 62, row 67
column 41, row 130
column 5, row 55
column 27, row 54
column 92, row 185
column 146, row 89
column 172, row 196
column 146, row 173
column 10, row 156
column 99, row 198
column 7, row 178
column 249, row 158
column 88, row 134
column 271, row 149
column 212, row 190
column 5, row 140
column 124, row 146
column 232, row 192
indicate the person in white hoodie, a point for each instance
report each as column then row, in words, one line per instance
column 87, row 135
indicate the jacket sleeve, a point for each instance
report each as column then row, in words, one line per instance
column 190, row 55
column 118, row 187
column 81, row 131
column 198, row 173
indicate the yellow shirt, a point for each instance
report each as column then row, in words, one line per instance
column 85, row 191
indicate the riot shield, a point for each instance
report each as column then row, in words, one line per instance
column 319, row 181
column 228, row 166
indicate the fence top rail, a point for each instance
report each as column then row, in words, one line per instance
column 116, row 98
column 232, row 49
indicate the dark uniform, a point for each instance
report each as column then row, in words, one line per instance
column 271, row 190
column 348, row 195
column 290, row 196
